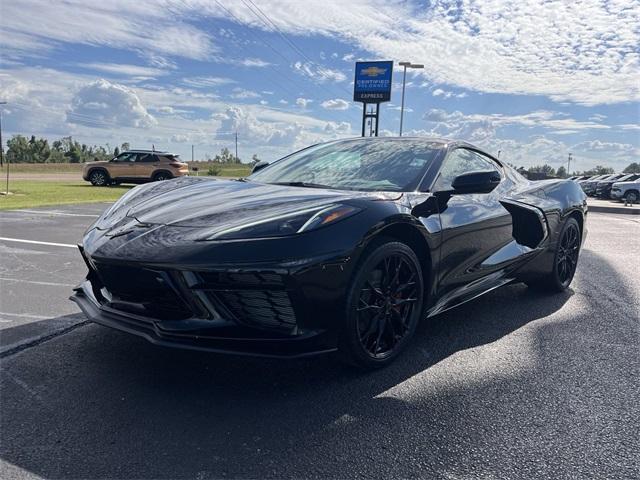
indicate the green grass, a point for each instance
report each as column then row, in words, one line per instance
column 42, row 168
column 32, row 193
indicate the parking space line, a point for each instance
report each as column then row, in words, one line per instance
column 34, row 282
column 39, row 212
column 36, row 242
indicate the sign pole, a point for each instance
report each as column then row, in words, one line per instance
column 404, row 78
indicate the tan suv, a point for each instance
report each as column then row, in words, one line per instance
column 135, row 166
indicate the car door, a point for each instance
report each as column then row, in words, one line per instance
column 123, row 166
column 473, row 226
column 145, row 165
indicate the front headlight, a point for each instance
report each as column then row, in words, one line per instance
column 287, row 224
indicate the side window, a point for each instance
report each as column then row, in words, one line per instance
column 145, row 158
column 462, row 161
column 125, row 157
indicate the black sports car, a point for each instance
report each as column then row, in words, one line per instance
column 341, row 246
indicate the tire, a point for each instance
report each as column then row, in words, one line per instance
column 99, row 178
column 383, row 307
column 160, row 176
column 631, row 196
column 565, row 260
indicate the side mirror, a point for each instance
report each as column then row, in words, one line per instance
column 259, row 166
column 476, row 182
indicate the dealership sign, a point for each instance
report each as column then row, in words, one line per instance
column 373, row 82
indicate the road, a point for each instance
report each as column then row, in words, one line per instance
column 515, row 384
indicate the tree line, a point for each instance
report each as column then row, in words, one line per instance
column 21, row 149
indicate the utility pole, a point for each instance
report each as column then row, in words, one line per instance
column 237, row 147
column 404, row 78
column 192, row 153
column 2, row 149
column 569, row 165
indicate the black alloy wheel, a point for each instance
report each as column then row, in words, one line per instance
column 98, row 178
column 565, row 260
column 567, row 255
column 385, row 303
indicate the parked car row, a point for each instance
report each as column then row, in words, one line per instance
column 615, row 186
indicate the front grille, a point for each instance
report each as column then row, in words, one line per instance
column 244, row 279
column 141, row 291
column 254, row 299
column 265, row 308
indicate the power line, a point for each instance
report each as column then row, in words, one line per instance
column 289, row 42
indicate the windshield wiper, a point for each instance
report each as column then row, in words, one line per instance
column 301, row 184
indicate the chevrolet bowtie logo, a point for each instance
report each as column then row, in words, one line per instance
column 373, row 71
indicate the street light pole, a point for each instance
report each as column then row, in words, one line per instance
column 569, row 165
column 404, row 80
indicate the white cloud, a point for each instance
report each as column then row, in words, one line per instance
column 145, row 26
column 438, row 92
column 476, row 126
column 338, row 128
column 105, row 104
column 243, row 94
column 319, row 73
column 596, row 117
column 167, row 110
column 124, row 69
column 238, row 119
column 613, row 148
column 303, row 102
column 335, row 104
column 485, row 131
column 254, row 62
column 629, row 126
column 584, row 51
column 39, row 100
column 207, row 82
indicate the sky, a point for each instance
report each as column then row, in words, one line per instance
column 533, row 80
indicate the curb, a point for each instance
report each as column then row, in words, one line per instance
column 622, row 209
column 32, row 334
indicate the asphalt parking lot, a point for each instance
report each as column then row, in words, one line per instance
column 516, row 384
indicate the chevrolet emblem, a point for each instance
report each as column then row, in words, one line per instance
column 373, row 71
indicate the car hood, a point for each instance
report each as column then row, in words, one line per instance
column 624, row 184
column 228, row 203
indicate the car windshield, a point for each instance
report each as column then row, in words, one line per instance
column 360, row 164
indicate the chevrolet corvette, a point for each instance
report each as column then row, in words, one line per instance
column 343, row 246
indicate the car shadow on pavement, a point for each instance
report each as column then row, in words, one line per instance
column 95, row 403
